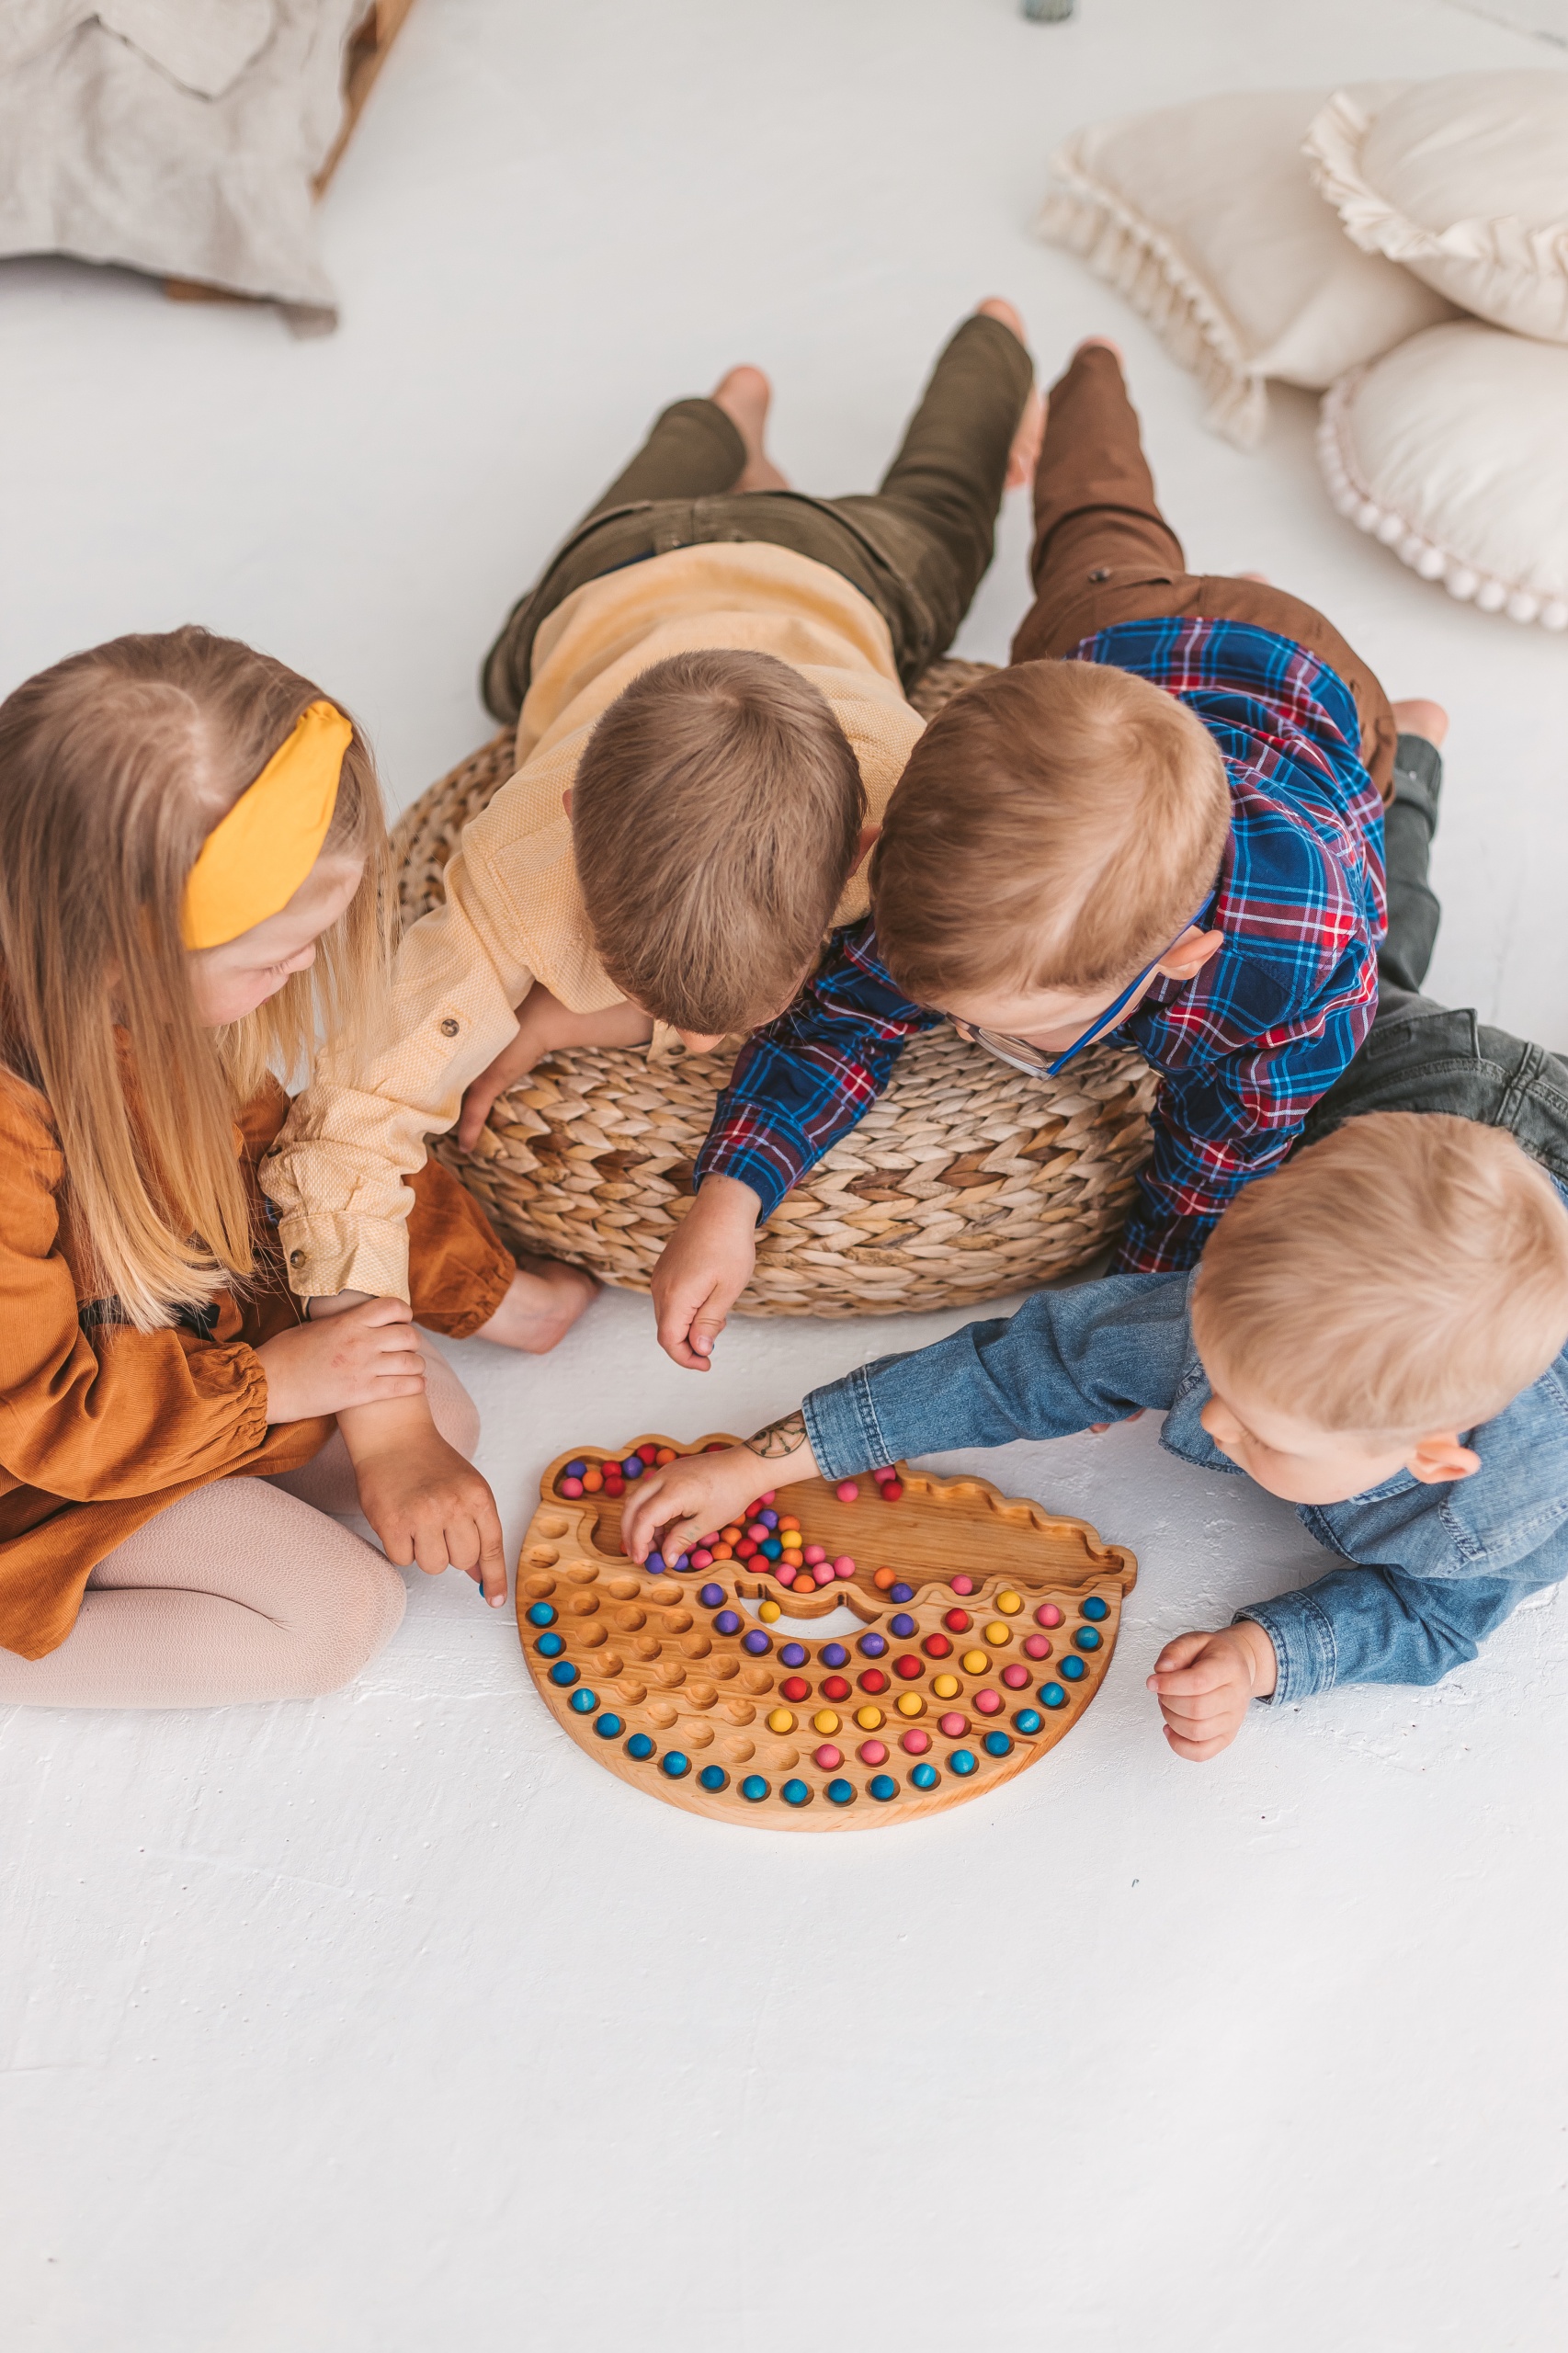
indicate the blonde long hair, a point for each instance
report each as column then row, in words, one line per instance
column 115, row 765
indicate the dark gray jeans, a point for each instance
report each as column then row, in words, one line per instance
column 917, row 546
column 1419, row 1056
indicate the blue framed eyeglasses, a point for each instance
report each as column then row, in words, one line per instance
column 1037, row 1061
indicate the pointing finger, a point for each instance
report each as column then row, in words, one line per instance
column 492, row 1554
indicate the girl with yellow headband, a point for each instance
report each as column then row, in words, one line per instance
column 194, row 888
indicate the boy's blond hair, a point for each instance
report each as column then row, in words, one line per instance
column 1406, row 1276
column 1058, row 827
column 715, row 819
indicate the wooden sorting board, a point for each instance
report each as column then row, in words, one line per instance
column 645, row 1649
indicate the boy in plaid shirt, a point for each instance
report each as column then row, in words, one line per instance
column 1163, row 823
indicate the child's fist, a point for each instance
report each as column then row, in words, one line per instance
column 1205, row 1684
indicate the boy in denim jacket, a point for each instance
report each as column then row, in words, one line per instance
column 1378, row 1332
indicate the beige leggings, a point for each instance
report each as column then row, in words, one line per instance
column 243, row 1590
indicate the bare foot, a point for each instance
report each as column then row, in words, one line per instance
column 1024, row 455
column 744, row 394
column 1420, row 717
column 1261, row 577
column 996, row 306
column 542, row 1304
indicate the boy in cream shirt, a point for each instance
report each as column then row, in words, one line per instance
column 709, row 685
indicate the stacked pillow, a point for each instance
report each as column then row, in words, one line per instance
column 1453, row 452
column 1206, row 218
column 1335, row 239
column 1465, row 181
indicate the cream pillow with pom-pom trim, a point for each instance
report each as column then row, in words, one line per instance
column 1453, row 451
column 1465, row 181
column 1204, row 217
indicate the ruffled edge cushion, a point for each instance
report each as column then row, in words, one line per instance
column 1124, row 248
column 1497, row 268
column 1426, row 555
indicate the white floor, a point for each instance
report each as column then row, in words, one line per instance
column 389, row 2023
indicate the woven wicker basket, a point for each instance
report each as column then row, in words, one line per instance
column 967, row 1179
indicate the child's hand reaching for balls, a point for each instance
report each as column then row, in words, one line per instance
column 699, row 1492
column 1205, row 1684
column 706, row 1265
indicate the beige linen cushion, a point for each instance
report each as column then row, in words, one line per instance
column 1465, row 181
column 1204, row 217
column 1453, row 451
column 204, row 45
column 180, row 137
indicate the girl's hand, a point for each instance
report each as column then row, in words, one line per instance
column 699, row 1492
column 1205, row 1683
column 365, row 1355
column 424, row 1502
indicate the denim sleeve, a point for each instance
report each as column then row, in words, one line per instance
column 1369, row 1625
column 1095, row 1353
column 807, row 1078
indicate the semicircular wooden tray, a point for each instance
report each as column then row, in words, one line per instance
column 670, row 1680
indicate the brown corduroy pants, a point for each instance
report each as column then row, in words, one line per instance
column 1103, row 553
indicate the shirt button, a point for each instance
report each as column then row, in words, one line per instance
column 296, row 1257
column 449, row 1027
column 1100, row 571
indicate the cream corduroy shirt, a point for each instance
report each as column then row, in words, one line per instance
column 513, row 912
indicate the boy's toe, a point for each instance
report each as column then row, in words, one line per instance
column 1419, row 715
column 996, row 306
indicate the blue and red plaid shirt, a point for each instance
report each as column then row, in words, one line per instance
column 1245, row 1049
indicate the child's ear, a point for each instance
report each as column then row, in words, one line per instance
column 1190, row 954
column 868, row 836
column 566, row 800
column 1437, row 1460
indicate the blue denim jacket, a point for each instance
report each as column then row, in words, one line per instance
column 1434, row 1569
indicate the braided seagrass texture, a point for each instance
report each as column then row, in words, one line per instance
column 966, row 1180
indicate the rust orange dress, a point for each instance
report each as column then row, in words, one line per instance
column 101, row 1427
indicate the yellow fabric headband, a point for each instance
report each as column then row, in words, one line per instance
column 256, row 858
